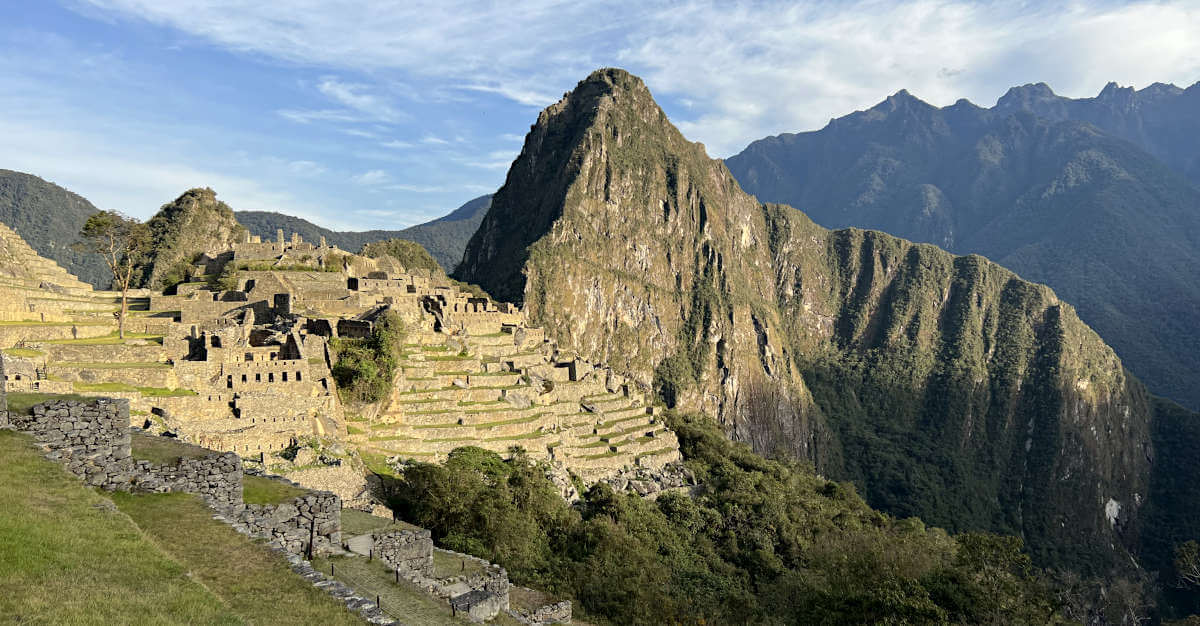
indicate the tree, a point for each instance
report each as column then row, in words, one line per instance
column 1187, row 564
column 122, row 242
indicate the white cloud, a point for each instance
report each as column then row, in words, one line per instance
column 396, row 144
column 373, row 177
column 739, row 70
column 306, row 168
column 318, row 115
column 357, row 97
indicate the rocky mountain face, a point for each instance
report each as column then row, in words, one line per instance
column 1163, row 120
column 444, row 238
column 946, row 387
column 193, row 223
column 1111, row 228
column 49, row 218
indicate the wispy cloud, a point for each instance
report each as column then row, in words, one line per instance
column 396, row 144
column 317, row 115
column 358, row 97
column 373, row 177
column 736, row 70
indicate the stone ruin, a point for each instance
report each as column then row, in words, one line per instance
column 249, row 370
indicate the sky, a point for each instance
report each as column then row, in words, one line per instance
column 387, row 113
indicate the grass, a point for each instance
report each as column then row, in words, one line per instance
column 41, row 323
column 515, row 420
column 252, row 581
column 163, row 450
column 163, row 392
column 98, row 365
column 401, row 601
column 354, row 430
column 110, row 339
column 361, row 523
column 151, row 392
column 446, row 564
column 27, row 353
column 25, row 401
column 69, row 558
column 260, row 490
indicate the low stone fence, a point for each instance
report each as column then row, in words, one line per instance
column 93, row 440
column 557, row 613
column 408, row 551
column 90, row 439
column 217, row 478
column 316, row 517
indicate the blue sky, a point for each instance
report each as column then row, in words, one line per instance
column 387, row 113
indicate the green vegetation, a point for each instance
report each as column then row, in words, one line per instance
column 105, row 365
column 260, row 490
column 762, row 542
column 124, row 243
column 360, row 523
column 364, row 368
column 106, row 340
column 26, row 353
column 69, row 557
column 182, row 229
column 410, row 254
column 163, row 450
column 253, row 582
column 23, row 402
column 399, row 600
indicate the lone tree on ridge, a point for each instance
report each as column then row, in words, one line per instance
column 122, row 242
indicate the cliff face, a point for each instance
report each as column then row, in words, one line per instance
column 193, row 223
column 945, row 386
column 1033, row 187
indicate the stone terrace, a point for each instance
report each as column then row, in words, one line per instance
column 506, row 390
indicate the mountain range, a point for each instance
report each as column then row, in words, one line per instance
column 944, row 386
column 49, row 217
column 1095, row 197
column 444, row 238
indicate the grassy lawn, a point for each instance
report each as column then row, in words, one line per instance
column 162, row 450
column 152, row 392
column 103, row 365
column 360, row 523
column 107, row 340
column 28, row 353
column 259, row 490
column 446, row 564
column 252, row 581
column 66, row 559
column 163, row 392
column 24, row 402
column 401, row 601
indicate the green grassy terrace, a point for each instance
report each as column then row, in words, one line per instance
column 68, row 556
column 259, row 490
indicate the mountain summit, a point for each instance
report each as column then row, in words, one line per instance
column 946, row 387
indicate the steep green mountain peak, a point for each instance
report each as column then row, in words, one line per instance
column 193, row 223
column 947, row 387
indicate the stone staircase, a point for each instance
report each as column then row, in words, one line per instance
column 493, row 393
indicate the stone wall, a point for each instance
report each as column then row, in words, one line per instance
column 557, row 613
column 316, row 516
column 407, row 551
column 216, row 477
column 90, row 439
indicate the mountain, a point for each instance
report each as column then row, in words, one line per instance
column 49, row 217
column 193, row 223
column 1110, row 227
column 444, row 237
column 1162, row 119
column 944, row 386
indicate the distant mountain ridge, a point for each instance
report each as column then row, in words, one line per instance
column 1060, row 200
column 49, row 217
column 1162, row 119
column 444, row 237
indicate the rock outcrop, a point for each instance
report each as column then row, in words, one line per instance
column 947, row 387
column 194, row 223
